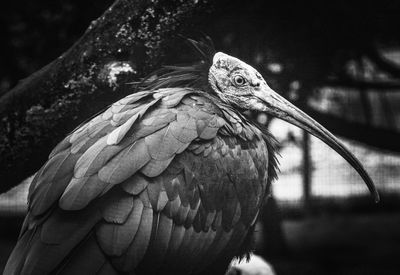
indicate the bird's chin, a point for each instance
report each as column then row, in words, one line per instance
column 256, row 105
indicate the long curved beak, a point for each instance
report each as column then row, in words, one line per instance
column 276, row 105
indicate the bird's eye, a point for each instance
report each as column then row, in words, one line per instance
column 239, row 80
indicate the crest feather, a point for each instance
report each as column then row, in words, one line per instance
column 192, row 76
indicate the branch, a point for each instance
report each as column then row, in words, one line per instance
column 121, row 46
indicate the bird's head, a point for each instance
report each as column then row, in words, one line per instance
column 240, row 85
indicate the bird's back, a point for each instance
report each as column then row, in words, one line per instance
column 163, row 181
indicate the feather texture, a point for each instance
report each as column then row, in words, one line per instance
column 126, row 163
column 78, row 263
column 163, row 180
column 138, row 247
column 51, row 181
column 135, row 184
column 80, row 191
column 113, row 238
column 117, row 207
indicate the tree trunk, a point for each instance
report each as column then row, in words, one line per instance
column 123, row 45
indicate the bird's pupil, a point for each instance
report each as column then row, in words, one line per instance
column 239, row 80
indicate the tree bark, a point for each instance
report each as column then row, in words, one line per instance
column 122, row 45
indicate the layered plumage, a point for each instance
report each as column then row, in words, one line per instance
column 169, row 179
column 162, row 180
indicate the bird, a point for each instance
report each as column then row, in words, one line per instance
column 168, row 180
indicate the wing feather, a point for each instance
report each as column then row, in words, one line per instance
column 185, row 245
column 155, row 167
column 172, row 188
column 177, row 235
column 184, row 129
column 113, row 238
column 220, row 241
column 117, row 207
column 95, row 158
column 157, row 195
column 119, row 133
column 53, row 245
column 207, row 240
column 172, row 207
column 138, row 247
column 162, row 144
column 208, row 129
column 192, row 214
column 80, row 192
column 51, row 181
column 74, row 225
column 107, row 269
column 174, row 96
column 78, row 263
column 61, row 146
column 159, row 245
column 126, row 163
column 135, row 184
column 17, row 258
column 195, row 241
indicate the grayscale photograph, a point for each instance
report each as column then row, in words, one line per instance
column 200, row 137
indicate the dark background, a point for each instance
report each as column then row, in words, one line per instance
column 301, row 48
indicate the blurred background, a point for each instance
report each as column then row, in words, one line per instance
column 337, row 60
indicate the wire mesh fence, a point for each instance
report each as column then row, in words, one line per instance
column 331, row 177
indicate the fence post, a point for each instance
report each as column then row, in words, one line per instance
column 307, row 170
